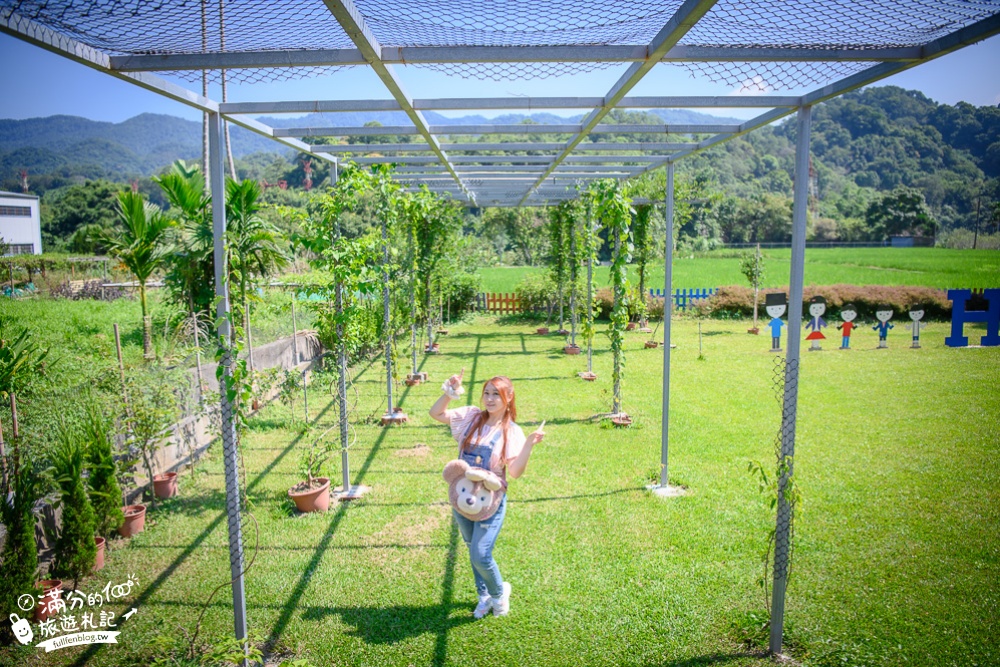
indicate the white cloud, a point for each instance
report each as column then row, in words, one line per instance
column 753, row 86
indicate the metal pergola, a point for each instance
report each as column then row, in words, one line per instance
column 828, row 47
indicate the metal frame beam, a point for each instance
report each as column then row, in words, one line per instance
column 415, row 55
column 353, row 23
column 520, row 128
column 682, row 21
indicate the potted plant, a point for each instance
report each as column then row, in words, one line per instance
column 571, row 348
column 165, row 485
column 152, row 408
column 652, row 342
column 134, row 521
column 75, row 548
column 312, row 494
column 542, row 331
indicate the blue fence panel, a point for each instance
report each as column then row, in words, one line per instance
column 681, row 297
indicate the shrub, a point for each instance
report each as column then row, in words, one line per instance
column 105, row 494
column 75, row 548
column 20, row 554
column 460, row 292
column 537, row 291
column 736, row 300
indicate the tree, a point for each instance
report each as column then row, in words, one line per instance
column 142, row 246
column 614, row 209
column 752, row 267
column 900, row 212
column 78, row 211
column 75, row 548
column 190, row 277
column 256, row 249
column 105, row 494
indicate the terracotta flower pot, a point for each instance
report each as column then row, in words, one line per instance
column 315, row 499
column 652, row 343
column 441, row 332
column 630, row 326
column 433, row 349
column 135, row 520
column 42, row 609
column 562, row 332
column 165, row 485
column 755, row 331
column 412, row 381
column 588, row 376
column 572, row 349
column 542, row 331
column 99, row 560
column 621, row 420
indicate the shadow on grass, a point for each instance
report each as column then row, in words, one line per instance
column 85, row 657
column 706, row 660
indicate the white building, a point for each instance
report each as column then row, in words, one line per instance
column 20, row 224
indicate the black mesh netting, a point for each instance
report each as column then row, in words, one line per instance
column 132, row 27
column 196, row 26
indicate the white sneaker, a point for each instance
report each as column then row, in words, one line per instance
column 483, row 608
column 501, row 607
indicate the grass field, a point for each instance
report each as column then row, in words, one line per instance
column 926, row 267
column 897, row 544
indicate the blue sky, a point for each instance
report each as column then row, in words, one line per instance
column 38, row 83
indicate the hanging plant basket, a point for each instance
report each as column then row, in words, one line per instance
column 42, row 609
column 165, row 485
column 99, row 559
column 135, row 520
column 542, row 331
column 315, row 498
column 621, row 420
column 572, row 349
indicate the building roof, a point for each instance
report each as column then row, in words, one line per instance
column 17, row 195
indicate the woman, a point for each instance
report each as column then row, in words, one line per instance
column 487, row 438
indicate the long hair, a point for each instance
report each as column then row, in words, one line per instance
column 506, row 389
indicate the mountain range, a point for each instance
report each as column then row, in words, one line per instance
column 145, row 144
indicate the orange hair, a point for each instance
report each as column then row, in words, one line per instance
column 505, row 387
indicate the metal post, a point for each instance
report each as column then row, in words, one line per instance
column 782, row 541
column 572, row 283
column 385, row 310
column 341, row 362
column 295, row 363
column 590, row 291
column 229, row 435
column 668, row 268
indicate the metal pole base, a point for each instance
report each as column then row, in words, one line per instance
column 353, row 492
column 668, row 491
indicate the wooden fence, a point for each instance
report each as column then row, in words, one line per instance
column 683, row 296
column 499, row 303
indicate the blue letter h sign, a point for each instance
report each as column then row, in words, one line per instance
column 959, row 316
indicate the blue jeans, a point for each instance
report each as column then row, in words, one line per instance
column 480, row 536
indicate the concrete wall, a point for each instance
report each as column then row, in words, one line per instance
column 17, row 230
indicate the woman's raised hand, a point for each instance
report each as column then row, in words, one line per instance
column 456, row 380
column 537, row 435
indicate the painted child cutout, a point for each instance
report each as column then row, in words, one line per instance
column 848, row 313
column 775, row 306
column 817, row 307
column 916, row 314
column 883, row 314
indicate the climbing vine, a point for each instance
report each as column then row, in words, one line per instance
column 641, row 230
column 614, row 208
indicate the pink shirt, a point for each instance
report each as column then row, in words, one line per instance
column 461, row 419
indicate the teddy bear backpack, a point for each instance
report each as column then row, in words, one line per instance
column 475, row 493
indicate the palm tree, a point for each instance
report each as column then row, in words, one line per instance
column 256, row 249
column 190, row 278
column 141, row 245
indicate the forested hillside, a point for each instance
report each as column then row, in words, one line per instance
column 885, row 161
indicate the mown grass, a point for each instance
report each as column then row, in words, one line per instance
column 897, row 544
column 926, row 267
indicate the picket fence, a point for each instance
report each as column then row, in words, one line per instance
column 683, row 296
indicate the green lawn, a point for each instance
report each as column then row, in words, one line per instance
column 927, row 267
column 897, row 545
